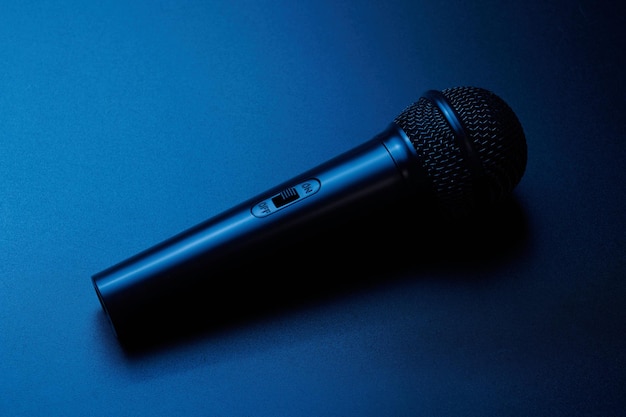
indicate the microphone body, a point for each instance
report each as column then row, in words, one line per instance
column 379, row 172
column 460, row 148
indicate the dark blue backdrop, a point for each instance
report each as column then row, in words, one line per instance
column 123, row 123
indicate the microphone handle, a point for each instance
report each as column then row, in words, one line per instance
column 376, row 173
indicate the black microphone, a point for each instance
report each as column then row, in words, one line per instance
column 461, row 149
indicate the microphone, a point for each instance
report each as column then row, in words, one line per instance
column 460, row 149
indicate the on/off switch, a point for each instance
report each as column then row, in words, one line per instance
column 286, row 197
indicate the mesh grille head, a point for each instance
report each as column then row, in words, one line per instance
column 495, row 135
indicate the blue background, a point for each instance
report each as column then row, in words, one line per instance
column 123, row 123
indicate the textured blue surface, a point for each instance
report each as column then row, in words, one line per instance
column 123, row 123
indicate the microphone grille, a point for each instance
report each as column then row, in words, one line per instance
column 480, row 162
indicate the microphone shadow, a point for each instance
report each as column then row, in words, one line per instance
column 391, row 244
